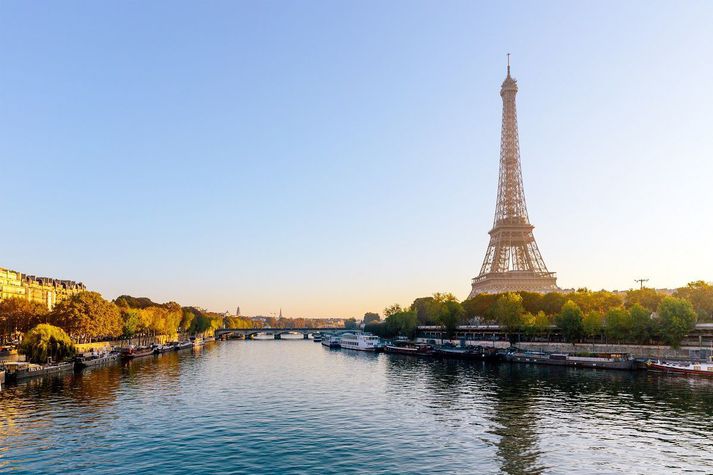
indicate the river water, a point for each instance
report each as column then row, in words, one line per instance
column 298, row 407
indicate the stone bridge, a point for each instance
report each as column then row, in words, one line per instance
column 249, row 333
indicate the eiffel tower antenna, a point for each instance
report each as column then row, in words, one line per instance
column 513, row 261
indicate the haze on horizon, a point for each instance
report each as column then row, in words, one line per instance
column 332, row 158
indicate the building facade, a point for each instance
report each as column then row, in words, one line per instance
column 44, row 290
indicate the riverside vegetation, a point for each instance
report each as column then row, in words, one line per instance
column 642, row 316
column 87, row 317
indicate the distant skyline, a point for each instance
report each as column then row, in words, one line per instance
column 331, row 158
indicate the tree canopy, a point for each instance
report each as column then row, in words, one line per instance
column 46, row 341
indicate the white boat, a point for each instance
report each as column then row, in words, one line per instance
column 361, row 342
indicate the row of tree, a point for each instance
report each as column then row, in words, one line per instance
column 637, row 316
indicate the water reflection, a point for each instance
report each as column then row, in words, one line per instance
column 296, row 406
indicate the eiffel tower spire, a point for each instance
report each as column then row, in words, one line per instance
column 512, row 261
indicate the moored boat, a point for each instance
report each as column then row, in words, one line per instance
column 197, row 341
column 687, row 368
column 409, row 348
column 94, row 358
column 158, row 349
column 587, row 360
column 130, row 352
column 317, row 337
column 183, row 345
column 360, row 342
column 467, row 352
column 331, row 341
column 19, row 370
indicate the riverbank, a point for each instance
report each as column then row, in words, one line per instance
column 685, row 353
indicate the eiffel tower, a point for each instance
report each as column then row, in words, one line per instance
column 513, row 261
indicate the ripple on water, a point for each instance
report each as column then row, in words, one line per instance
column 297, row 407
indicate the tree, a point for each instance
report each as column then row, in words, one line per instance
column 508, row 312
column 350, row 324
column 370, row 317
column 18, row 315
column 392, row 309
column 479, row 306
column 428, row 310
column 592, row 324
column 132, row 322
column 443, row 297
column 569, row 321
column 646, row 298
column 700, row 294
column 676, row 317
column 451, row 316
column 531, row 301
column 552, row 302
column 86, row 315
column 643, row 327
column 47, row 341
column 401, row 323
column 617, row 324
column 536, row 324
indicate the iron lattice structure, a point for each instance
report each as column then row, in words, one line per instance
column 513, row 261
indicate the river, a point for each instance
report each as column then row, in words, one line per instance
column 298, row 407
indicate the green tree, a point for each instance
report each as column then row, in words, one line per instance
column 592, row 324
column 132, row 322
column 617, row 324
column 371, row 317
column 392, row 309
column 451, row 316
column 479, row 306
column 643, row 327
column 569, row 321
column 536, row 324
column 508, row 312
column 428, row 310
column 552, row 302
column 350, row 324
column 46, row 341
column 676, row 318
column 402, row 323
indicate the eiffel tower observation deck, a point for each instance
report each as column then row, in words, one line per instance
column 513, row 261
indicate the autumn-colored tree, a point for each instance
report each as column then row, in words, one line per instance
column 18, row 315
column 86, row 316
column 700, row 295
column 646, row 297
column 552, row 302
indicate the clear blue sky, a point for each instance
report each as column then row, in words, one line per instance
column 331, row 158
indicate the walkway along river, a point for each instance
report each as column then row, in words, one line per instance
column 296, row 407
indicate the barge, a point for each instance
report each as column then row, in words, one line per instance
column 621, row 361
column 687, row 368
